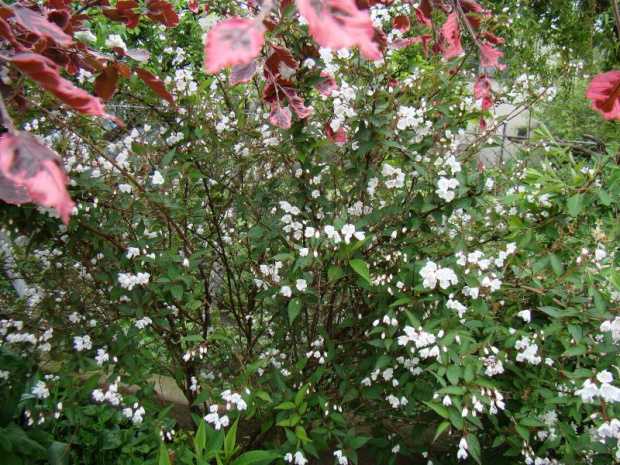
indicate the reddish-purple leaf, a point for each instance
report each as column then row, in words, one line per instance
column 193, row 6
column 402, row 43
column 482, row 90
column 340, row 24
column 242, row 73
column 380, row 39
column 604, row 91
column 13, row 193
column 284, row 55
column 492, row 38
column 471, row 6
column 162, row 12
column 424, row 13
column 39, row 25
column 280, row 117
column 338, row 136
column 155, row 84
column 482, row 124
column 401, row 22
column 296, row 103
column 46, row 73
column 327, row 86
column 7, row 33
column 489, row 57
column 138, row 54
column 105, row 82
column 452, row 33
column 28, row 163
column 232, row 42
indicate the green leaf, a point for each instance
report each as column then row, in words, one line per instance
column 164, row 458
column 358, row 442
column 231, row 438
column 575, row 205
column 294, row 307
column 533, row 422
column 58, row 453
column 200, row 440
column 286, row 406
column 299, row 397
column 361, row 268
column 256, row 457
column 440, row 409
column 441, row 428
column 556, row 264
column 334, row 272
column 177, row 291
column 473, row 446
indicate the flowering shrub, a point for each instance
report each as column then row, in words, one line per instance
column 305, row 244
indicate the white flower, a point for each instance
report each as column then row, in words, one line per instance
column 605, row 377
column 40, row 390
column 588, row 392
column 447, row 401
column 526, row 315
column 114, row 40
column 286, row 291
column 82, row 343
column 157, row 178
column 301, row 285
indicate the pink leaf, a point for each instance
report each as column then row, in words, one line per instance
column 138, row 54
column 401, row 22
column 452, row 33
column 489, row 57
column 280, row 117
column 402, row 43
column 327, row 86
column 242, row 73
column 340, row 24
column 232, row 42
column 338, row 136
column 296, row 103
column 482, row 90
column 28, row 163
column 604, row 91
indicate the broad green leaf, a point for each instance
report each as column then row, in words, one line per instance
column 256, row 457
column 294, row 307
column 361, row 268
column 473, row 446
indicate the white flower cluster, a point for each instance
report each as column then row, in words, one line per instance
column 421, row 339
column 129, row 281
column 298, row 458
column 530, row 349
column 115, row 40
column 136, row 414
column 395, row 402
column 102, row 356
column 608, row 392
column 614, row 327
column 433, row 274
column 215, row 419
column 395, row 178
column 342, row 460
column 82, row 343
column 40, row 390
column 610, row 429
column 462, row 453
column 413, row 118
column 343, row 105
column 111, row 395
column 233, row 399
column 443, row 188
column 550, row 419
column 143, row 322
